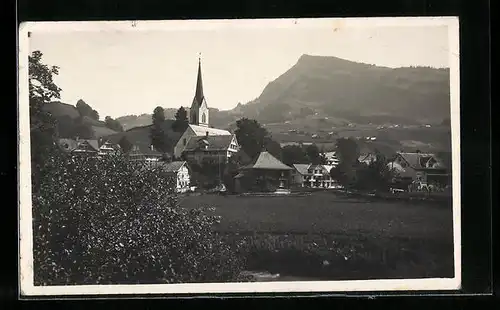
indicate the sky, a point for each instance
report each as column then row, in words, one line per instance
column 128, row 70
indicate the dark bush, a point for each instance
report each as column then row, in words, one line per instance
column 110, row 221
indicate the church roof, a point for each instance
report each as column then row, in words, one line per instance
column 202, row 131
column 266, row 161
column 212, row 143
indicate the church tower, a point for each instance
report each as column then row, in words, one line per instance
column 198, row 114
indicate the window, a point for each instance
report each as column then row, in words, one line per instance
column 203, row 118
column 184, row 141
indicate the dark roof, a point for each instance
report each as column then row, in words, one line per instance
column 72, row 144
column 302, row 168
column 173, row 166
column 268, row 162
column 417, row 160
column 212, row 143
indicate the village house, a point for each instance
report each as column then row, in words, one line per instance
column 331, row 158
column 421, row 168
column 265, row 173
column 180, row 171
column 199, row 120
column 80, row 147
column 313, row 176
column 108, row 148
column 141, row 152
column 213, row 149
column 367, row 158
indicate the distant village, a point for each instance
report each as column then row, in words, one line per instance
column 200, row 142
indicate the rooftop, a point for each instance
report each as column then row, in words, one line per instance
column 266, row 161
column 210, row 143
column 202, row 131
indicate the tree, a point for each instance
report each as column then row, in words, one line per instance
column 43, row 127
column 313, row 154
column 253, row 138
column 94, row 115
column 83, row 108
column 347, row 151
column 158, row 116
column 294, row 154
column 181, row 120
column 375, row 176
column 157, row 134
column 125, row 144
column 273, row 147
column 113, row 124
column 111, row 221
column 82, row 129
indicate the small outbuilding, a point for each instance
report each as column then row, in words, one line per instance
column 265, row 173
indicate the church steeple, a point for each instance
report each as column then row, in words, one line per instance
column 198, row 97
column 199, row 110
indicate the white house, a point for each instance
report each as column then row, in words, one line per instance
column 314, row 176
column 108, row 148
column 195, row 131
column 215, row 149
column 331, row 159
column 181, row 172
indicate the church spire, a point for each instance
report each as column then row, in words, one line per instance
column 199, row 84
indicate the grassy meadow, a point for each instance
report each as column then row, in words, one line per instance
column 324, row 236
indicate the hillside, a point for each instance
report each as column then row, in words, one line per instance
column 329, row 97
column 140, row 136
column 219, row 119
column 359, row 93
column 66, row 116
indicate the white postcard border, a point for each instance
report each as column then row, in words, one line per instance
column 27, row 287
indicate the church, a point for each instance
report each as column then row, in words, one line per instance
column 200, row 141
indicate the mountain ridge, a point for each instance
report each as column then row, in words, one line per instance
column 338, row 88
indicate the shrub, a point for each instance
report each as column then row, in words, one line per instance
column 110, row 221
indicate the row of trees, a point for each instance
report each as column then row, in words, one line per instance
column 306, row 154
column 353, row 174
column 110, row 221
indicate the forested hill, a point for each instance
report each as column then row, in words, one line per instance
column 360, row 93
column 342, row 91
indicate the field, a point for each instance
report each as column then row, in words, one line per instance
column 325, row 236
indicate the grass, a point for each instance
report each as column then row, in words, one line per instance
column 324, row 212
column 324, row 236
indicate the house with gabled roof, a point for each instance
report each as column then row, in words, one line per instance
column 109, row 148
column 331, row 158
column 144, row 153
column 83, row 147
column 180, row 171
column 213, row 149
column 423, row 168
column 313, row 176
column 264, row 173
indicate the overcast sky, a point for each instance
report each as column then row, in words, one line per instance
column 132, row 71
